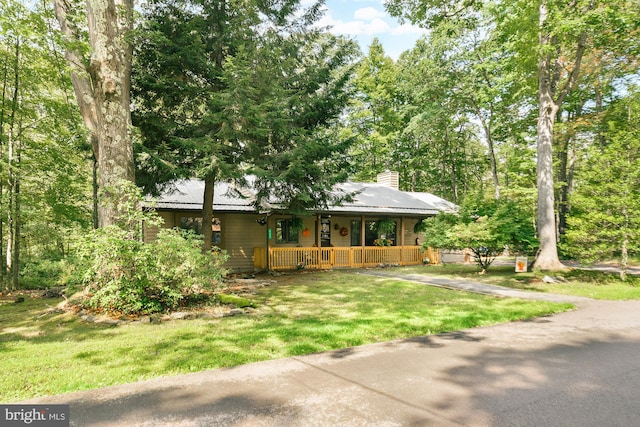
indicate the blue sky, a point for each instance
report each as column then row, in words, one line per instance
column 363, row 20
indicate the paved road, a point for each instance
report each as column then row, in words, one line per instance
column 579, row 368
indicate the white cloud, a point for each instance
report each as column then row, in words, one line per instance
column 377, row 26
column 356, row 27
column 368, row 14
column 363, row 24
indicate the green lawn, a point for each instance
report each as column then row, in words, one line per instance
column 591, row 284
column 303, row 313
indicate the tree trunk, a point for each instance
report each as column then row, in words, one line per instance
column 562, row 177
column 13, row 157
column 110, row 68
column 2, row 209
column 624, row 252
column 103, row 91
column 95, row 188
column 12, row 211
column 17, row 225
column 207, row 213
column 547, row 109
column 548, row 255
column 494, row 166
column 486, row 127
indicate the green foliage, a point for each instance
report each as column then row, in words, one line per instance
column 485, row 228
column 439, row 143
column 605, row 220
column 122, row 274
column 487, row 59
column 44, row 178
column 374, row 116
column 382, row 242
column 226, row 88
column 239, row 302
column 126, row 200
column 42, row 273
column 131, row 277
column 383, row 226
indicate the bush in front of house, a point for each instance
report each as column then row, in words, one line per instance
column 126, row 276
column 123, row 275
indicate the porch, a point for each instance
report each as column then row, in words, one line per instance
column 341, row 257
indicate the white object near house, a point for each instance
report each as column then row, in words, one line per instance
column 521, row 264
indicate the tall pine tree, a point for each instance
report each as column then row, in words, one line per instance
column 225, row 87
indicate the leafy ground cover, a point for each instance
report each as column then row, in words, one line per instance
column 586, row 283
column 44, row 352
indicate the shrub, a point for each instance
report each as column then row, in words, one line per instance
column 41, row 273
column 122, row 274
column 485, row 228
column 131, row 277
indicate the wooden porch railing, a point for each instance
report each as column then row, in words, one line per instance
column 327, row 258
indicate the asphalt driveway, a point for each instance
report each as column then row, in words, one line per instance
column 579, row 368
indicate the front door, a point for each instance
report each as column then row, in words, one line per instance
column 325, row 232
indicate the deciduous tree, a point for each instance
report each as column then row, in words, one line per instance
column 374, row 114
column 605, row 220
column 485, row 228
column 549, row 52
column 41, row 166
column 100, row 70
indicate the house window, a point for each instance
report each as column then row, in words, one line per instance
column 285, row 232
column 356, row 227
column 195, row 223
column 370, row 233
column 375, row 237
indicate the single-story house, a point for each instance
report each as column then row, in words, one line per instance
column 347, row 235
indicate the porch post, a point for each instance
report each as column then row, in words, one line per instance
column 362, row 238
column 266, row 247
column 401, row 240
column 319, row 240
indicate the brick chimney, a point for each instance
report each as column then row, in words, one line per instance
column 390, row 179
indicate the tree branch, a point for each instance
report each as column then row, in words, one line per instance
column 80, row 77
column 572, row 80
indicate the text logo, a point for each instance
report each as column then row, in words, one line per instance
column 34, row 415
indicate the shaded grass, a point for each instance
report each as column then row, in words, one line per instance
column 585, row 283
column 303, row 313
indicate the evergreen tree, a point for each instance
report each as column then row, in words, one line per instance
column 224, row 87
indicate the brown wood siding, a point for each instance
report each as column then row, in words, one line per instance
column 240, row 234
column 409, row 236
column 151, row 232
